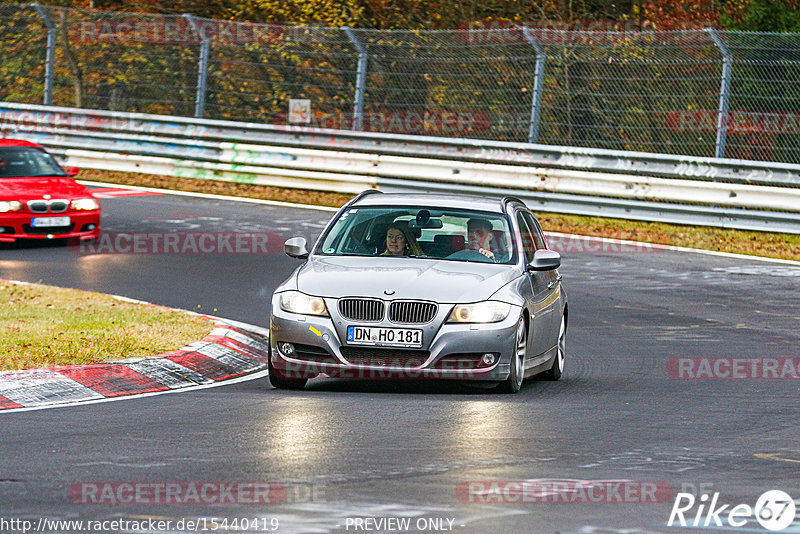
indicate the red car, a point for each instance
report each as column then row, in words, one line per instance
column 39, row 200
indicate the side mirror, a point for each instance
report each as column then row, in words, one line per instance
column 545, row 260
column 73, row 171
column 296, row 247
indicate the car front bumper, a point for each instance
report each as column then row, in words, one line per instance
column 83, row 225
column 450, row 351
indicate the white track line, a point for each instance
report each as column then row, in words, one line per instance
column 209, row 196
column 326, row 208
column 246, row 326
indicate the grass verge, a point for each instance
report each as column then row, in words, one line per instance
column 769, row 244
column 45, row 326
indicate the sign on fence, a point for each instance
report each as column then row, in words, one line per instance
column 299, row 111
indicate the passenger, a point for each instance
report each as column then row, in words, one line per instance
column 400, row 242
column 479, row 237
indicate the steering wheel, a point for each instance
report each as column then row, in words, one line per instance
column 469, row 255
column 355, row 246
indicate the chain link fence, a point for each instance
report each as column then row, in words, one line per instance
column 698, row 92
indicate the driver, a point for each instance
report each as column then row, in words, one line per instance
column 479, row 237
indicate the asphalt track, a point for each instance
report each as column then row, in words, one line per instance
column 347, row 450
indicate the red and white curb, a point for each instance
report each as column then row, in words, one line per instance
column 227, row 352
column 117, row 192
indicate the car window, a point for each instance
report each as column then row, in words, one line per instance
column 528, row 242
column 538, row 235
column 448, row 234
column 347, row 234
column 18, row 162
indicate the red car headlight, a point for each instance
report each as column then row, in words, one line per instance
column 10, row 205
column 85, row 204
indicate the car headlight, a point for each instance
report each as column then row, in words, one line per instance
column 480, row 312
column 10, row 205
column 296, row 302
column 85, row 204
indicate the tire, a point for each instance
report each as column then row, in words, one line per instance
column 517, row 368
column 278, row 381
column 555, row 372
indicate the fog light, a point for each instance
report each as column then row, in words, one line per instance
column 90, row 227
column 488, row 358
column 286, row 348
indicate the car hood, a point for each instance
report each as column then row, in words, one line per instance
column 409, row 278
column 31, row 188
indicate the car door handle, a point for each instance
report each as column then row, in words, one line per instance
column 551, row 285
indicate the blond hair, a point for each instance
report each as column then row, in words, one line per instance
column 412, row 247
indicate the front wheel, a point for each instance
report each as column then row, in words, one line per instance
column 555, row 372
column 517, row 369
column 279, row 381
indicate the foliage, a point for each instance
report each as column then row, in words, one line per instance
column 679, row 14
column 333, row 13
column 762, row 15
column 748, row 15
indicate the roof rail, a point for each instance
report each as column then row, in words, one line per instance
column 365, row 193
column 507, row 200
column 361, row 195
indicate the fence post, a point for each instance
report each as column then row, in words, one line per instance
column 538, row 86
column 49, row 66
column 361, row 77
column 724, row 92
column 202, row 69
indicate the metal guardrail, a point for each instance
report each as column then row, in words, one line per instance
column 565, row 179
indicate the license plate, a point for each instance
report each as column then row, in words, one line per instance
column 42, row 222
column 386, row 337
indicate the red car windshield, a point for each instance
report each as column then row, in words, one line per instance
column 20, row 162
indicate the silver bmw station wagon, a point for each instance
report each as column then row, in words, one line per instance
column 422, row 286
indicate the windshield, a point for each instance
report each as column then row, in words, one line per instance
column 19, row 162
column 418, row 232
